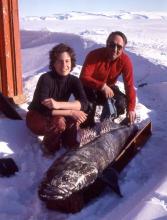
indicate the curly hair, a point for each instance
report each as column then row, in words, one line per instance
column 117, row 33
column 57, row 50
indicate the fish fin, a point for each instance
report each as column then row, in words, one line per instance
column 110, row 178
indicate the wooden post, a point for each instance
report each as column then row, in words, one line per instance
column 10, row 53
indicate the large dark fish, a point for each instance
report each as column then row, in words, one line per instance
column 79, row 168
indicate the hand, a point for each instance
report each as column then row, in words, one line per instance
column 79, row 116
column 108, row 92
column 57, row 123
column 50, row 103
column 131, row 116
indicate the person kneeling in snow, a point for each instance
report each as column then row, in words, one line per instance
column 51, row 113
column 100, row 72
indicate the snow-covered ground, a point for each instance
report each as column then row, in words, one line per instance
column 144, row 181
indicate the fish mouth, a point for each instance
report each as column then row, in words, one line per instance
column 70, row 182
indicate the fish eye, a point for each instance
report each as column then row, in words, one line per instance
column 65, row 178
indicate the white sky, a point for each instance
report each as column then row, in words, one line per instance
column 43, row 7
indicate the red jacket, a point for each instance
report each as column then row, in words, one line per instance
column 98, row 70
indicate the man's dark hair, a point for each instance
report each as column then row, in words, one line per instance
column 117, row 33
column 57, row 50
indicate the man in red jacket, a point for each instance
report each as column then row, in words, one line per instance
column 100, row 71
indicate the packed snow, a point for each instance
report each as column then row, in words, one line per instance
column 144, row 181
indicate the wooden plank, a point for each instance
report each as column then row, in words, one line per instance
column 10, row 54
column 133, row 147
column 5, row 50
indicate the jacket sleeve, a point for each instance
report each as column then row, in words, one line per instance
column 128, row 79
column 43, row 88
column 89, row 76
column 79, row 94
column 42, row 92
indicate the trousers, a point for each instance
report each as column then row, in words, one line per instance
column 96, row 97
column 57, row 130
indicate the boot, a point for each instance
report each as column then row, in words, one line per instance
column 69, row 136
column 51, row 143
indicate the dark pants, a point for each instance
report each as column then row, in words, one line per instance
column 57, row 130
column 97, row 97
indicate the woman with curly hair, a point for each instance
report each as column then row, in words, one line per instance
column 51, row 113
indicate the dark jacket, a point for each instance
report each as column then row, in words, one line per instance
column 60, row 88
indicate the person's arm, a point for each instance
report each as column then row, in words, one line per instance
column 53, row 104
column 79, row 116
column 79, row 93
column 42, row 88
column 107, row 91
column 66, row 109
column 131, row 115
column 89, row 74
column 41, row 92
column 129, row 89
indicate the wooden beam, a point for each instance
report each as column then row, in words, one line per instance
column 10, row 53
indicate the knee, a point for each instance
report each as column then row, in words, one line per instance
column 36, row 122
column 61, row 123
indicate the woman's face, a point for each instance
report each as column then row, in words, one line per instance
column 63, row 64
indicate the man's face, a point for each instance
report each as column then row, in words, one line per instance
column 115, row 47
